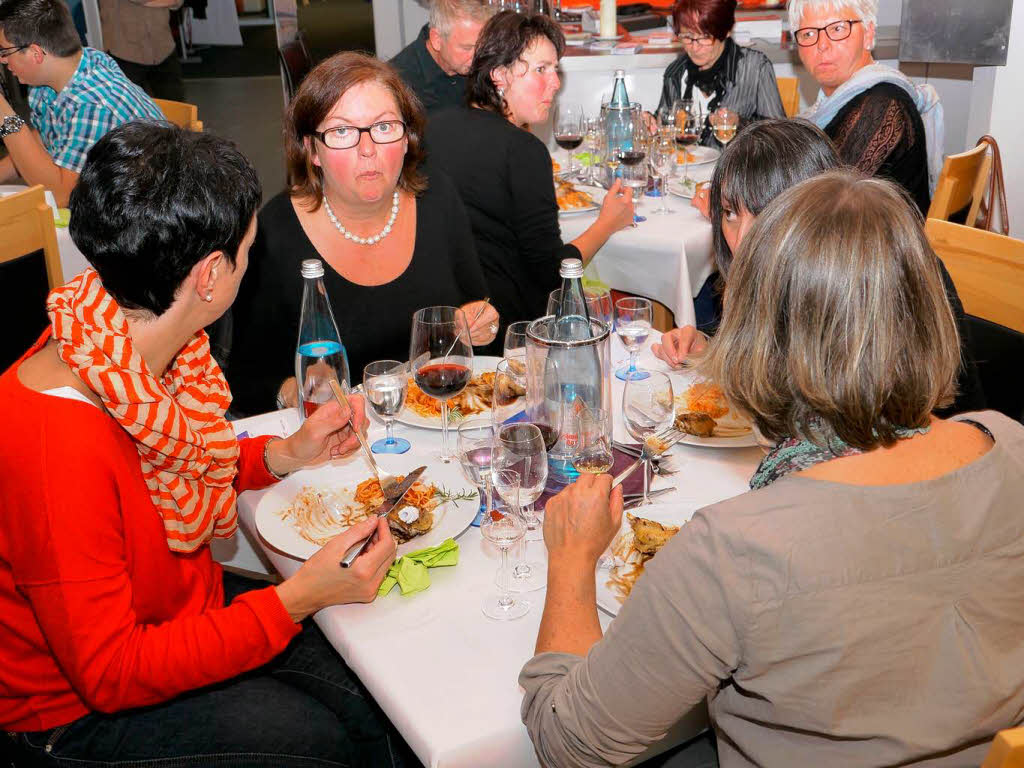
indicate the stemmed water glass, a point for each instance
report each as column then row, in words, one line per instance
column 593, row 447
column 441, row 356
column 386, row 383
column 724, row 122
column 648, row 407
column 515, row 339
column 475, row 441
column 503, row 527
column 568, row 131
column 663, row 160
column 520, row 446
column 633, row 318
column 594, row 142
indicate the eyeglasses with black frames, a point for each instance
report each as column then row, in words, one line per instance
column 703, row 41
column 348, row 136
column 10, row 51
column 838, row 30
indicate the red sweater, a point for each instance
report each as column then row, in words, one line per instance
column 96, row 613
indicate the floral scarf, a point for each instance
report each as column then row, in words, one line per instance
column 187, row 449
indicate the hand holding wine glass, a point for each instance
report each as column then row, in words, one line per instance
column 593, row 446
column 441, row 356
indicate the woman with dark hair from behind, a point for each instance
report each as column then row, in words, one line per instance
column 392, row 233
column 122, row 640
column 504, row 172
column 762, row 162
column 860, row 605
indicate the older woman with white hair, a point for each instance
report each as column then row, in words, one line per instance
column 880, row 121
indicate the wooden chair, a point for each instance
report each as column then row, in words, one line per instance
column 26, row 228
column 789, row 91
column 295, row 63
column 181, row 114
column 987, row 270
column 962, row 182
column 1007, row 750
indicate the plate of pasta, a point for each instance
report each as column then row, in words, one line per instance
column 422, row 410
column 644, row 532
column 310, row 507
column 706, row 418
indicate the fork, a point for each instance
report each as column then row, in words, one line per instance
column 664, row 439
column 660, row 465
column 388, row 482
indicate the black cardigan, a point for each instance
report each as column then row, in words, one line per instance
column 374, row 321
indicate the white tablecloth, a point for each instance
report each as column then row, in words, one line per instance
column 71, row 259
column 666, row 258
column 444, row 673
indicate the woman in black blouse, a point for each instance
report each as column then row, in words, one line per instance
column 394, row 237
column 504, row 172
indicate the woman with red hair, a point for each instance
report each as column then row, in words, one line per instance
column 716, row 72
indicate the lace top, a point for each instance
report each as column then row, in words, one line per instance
column 880, row 133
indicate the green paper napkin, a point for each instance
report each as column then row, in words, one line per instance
column 409, row 572
column 62, row 217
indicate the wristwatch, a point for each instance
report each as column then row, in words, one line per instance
column 11, row 124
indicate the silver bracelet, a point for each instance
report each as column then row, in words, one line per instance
column 11, row 125
column 266, row 460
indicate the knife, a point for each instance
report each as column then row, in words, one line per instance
column 357, row 549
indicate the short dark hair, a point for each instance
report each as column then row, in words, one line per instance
column 46, row 23
column 153, row 200
column 501, row 43
column 709, row 17
column 319, row 92
column 764, row 160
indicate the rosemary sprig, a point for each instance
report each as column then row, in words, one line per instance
column 455, row 416
column 446, row 494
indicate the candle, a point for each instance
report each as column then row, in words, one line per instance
column 608, row 21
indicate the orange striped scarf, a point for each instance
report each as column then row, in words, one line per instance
column 188, row 451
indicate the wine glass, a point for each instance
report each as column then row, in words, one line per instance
column 385, row 383
column 515, row 339
column 594, row 139
column 688, row 136
column 475, row 441
column 663, row 160
column 648, row 407
column 724, row 122
column 633, row 317
column 568, row 131
column 613, row 152
column 593, row 447
column 667, row 122
column 508, row 399
column 503, row 527
column 520, row 446
column 599, row 305
column 441, row 356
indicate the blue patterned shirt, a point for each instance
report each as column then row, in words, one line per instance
column 98, row 98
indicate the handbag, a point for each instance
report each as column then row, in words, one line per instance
column 995, row 195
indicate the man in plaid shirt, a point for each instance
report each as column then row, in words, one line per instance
column 77, row 95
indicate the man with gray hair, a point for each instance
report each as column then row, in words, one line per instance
column 435, row 64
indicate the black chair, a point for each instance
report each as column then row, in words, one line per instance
column 998, row 352
column 295, row 63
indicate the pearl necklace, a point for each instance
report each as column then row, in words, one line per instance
column 373, row 239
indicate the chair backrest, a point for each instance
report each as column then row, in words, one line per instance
column 962, row 181
column 789, row 91
column 181, row 114
column 26, row 228
column 987, row 270
column 1007, row 750
column 295, row 63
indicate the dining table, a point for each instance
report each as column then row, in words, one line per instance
column 72, row 262
column 665, row 257
column 444, row 673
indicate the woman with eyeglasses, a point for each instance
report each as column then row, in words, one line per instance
column 880, row 121
column 393, row 235
column 714, row 71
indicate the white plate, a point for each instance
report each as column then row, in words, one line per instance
column 675, row 513
column 596, row 194
column 702, row 155
column 677, row 188
column 451, row 518
column 410, row 418
column 611, row 39
column 747, row 440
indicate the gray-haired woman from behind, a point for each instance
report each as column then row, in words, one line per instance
column 861, row 604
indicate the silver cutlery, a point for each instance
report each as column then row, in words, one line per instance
column 389, row 484
column 660, row 465
column 403, row 488
column 630, row 497
column 653, row 446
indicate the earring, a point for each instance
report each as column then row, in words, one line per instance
column 501, row 91
column 209, row 297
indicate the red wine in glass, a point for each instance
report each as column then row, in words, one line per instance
column 442, row 380
column 549, row 434
column 309, row 408
column 632, row 156
column 685, row 139
column 569, row 141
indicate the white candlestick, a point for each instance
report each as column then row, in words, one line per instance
column 609, row 25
